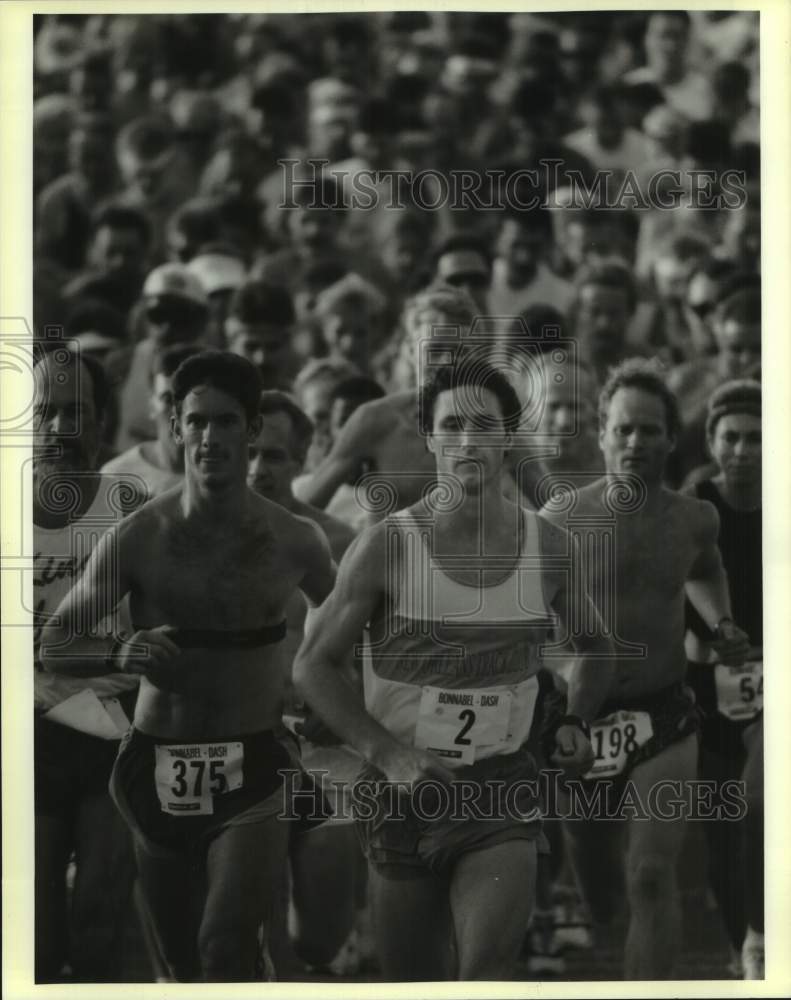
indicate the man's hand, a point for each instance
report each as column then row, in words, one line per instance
column 147, row 649
column 312, row 729
column 732, row 645
column 573, row 750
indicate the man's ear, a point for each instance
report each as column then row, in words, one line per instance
column 430, row 444
column 175, row 428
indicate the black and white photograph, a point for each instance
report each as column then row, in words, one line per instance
column 392, row 546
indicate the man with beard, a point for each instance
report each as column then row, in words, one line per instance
column 201, row 775
column 80, row 719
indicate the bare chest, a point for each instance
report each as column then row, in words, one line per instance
column 649, row 555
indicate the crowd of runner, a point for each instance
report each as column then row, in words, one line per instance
column 397, row 490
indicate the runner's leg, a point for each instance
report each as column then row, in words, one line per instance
column 53, row 839
column 102, row 889
column 492, row 891
column 653, row 941
column 244, row 867
column 412, row 927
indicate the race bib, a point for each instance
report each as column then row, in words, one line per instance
column 740, row 690
column 614, row 738
column 455, row 724
column 188, row 775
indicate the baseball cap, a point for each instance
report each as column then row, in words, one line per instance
column 217, row 271
column 174, row 280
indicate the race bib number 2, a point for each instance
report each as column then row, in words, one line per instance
column 614, row 738
column 740, row 690
column 453, row 724
column 189, row 775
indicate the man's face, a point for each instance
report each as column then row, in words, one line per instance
column 468, row 270
column 64, row 417
column 346, row 330
column 162, row 404
column 214, row 431
column 569, row 413
column 468, row 438
column 736, row 448
column 90, row 155
column 401, row 254
column 602, row 318
column 272, row 464
column 671, row 275
column 521, row 252
column 739, row 346
column 173, row 320
column 148, row 177
column 635, row 438
column 665, row 42
column 314, row 230
column 118, row 253
column 265, row 345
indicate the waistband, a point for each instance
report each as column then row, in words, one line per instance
column 209, row 638
column 259, row 739
column 646, row 701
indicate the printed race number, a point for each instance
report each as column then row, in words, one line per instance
column 454, row 724
column 613, row 739
column 188, row 775
column 740, row 690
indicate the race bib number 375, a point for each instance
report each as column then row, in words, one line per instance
column 453, row 724
column 189, row 775
column 614, row 738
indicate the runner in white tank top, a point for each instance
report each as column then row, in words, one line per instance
column 456, row 595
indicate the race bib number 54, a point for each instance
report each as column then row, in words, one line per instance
column 614, row 738
column 740, row 690
column 453, row 724
column 189, row 775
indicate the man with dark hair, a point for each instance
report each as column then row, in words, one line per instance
column 159, row 464
column 521, row 273
column 79, row 720
column 463, row 261
column 605, row 301
column 116, row 258
column 200, row 777
column 731, row 698
column 260, row 326
column 662, row 545
column 453, row 618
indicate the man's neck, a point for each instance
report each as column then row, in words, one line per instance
column 228, row 502
column 745, row 497
column 627, row 496
column 477, row 511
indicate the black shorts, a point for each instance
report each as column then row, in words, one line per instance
column 674, row 716
column 719, row 734
column 69, row 766
column 270, row 767
column 409, row 837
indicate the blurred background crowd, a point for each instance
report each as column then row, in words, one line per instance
column 158, row 194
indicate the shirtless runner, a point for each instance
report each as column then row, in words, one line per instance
column 664, row 544
column 210, row 568
column 456, row 604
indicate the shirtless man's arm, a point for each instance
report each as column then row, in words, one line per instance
column 707, row 590
column 66, row 644
column 318, row 669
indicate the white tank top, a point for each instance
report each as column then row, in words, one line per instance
column 454, row 669
column 59, row 557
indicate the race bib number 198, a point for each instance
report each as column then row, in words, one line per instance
column 188, row 775
column 452, row 724
column 740, row 690
column 614, row 738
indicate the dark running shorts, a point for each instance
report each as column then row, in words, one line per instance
column 425, row 835
column 719, row 734
column 674, row 716
column 263, row 792
column 69, row 766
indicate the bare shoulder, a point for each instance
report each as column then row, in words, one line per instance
column 299, row 535
column 339, row 534
column 151, row 519
column 576, row 500
column 555, row 539
column 700, row 515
